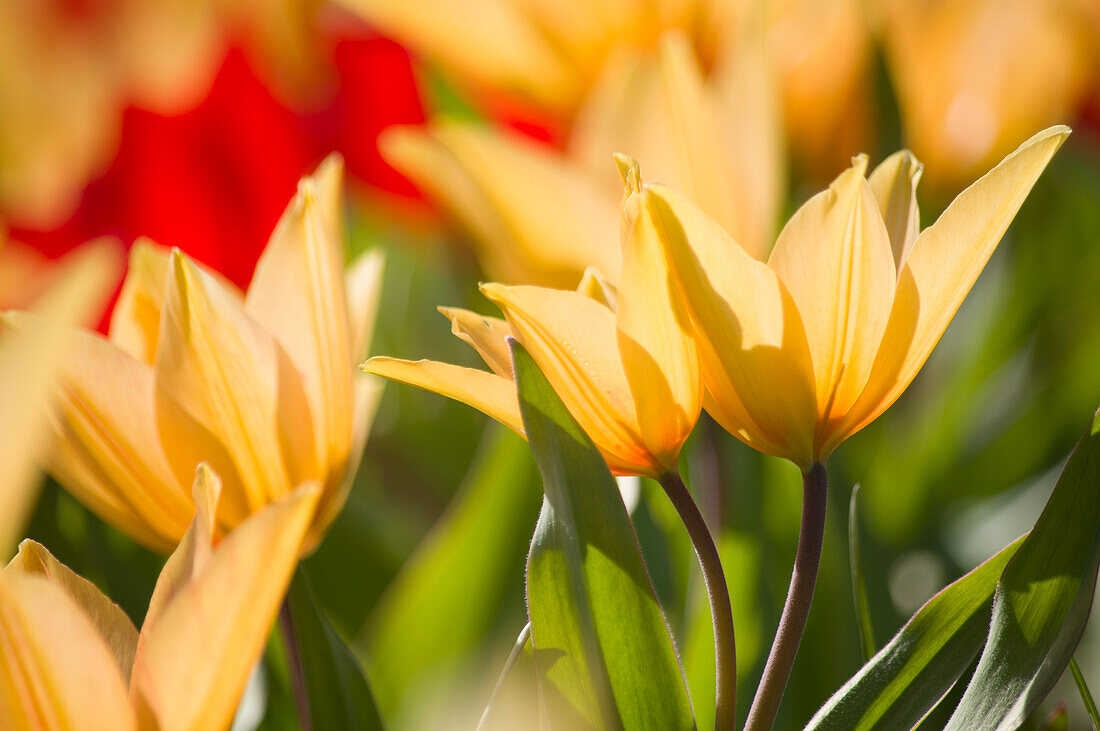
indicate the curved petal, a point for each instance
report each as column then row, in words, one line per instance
column 944, row 264
column 56, row 672
column 894, row 183
column 193, row 662
column 487, row 392
column 594, row 285
column 487, row 335
column 363, row 283
column 834, row 257
column 113, row 625
column 752, row 346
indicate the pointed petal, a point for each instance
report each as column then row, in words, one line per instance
column 193, row 663
column 56, row 672
column 894, row 183
column 944, row 264
column 755, row 360
column 572, row 338
column 653, row 332
column 237, row 382
column 363, row 282
column 834, row 257
column 595, row 286
column 29, row 361
column 297, row 295
column 110, row 621
column 487, row 335
column 486, row 392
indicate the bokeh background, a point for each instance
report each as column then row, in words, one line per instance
column 191, row 122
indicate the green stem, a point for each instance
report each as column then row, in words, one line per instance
column 1083, row 690
column 725, row 658
column 797, row 607
column 294, row 667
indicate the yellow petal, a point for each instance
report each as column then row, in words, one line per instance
column 944, row 264
column 236, row 381
column 488, row 40
column 363, row 282
column 56, row 672
column 834, row 257
column 752, row 346
column 653, row 334
column 486, row 392
column 297, row 295
column 487, row 335
column 29, row 361
column 193, row 663
column 113, row 625
column 595, row 285
column 573, row 340
column 894, row 183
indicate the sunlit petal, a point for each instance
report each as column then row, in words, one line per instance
column 487, row 335
column 894, row 183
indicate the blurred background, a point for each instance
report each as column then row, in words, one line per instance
column 190, row 121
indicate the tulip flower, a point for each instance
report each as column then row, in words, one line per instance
column 72, row 658
column 537, row 216
column 625, row 367
column 260, row 385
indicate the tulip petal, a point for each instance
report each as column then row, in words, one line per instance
column 29, row 361
column 363, row 283
column 110, row 621
column 572, row 338
column 834, row 257
column 945, row 262
column 193, row 662
column 487, row 335
column 595, row 286
column 752, row 346
column 56, row 672
column 237, row 382
column 297, row 295
column 653, row 333
column 894, row 183
column 486, row 392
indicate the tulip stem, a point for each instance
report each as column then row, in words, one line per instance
column 294, row 667
column 797, row 607
column 725, row 658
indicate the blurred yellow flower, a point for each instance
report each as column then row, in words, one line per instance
column 537, row 216
column 72, row 658
column 974, row 76
column 802, row 352
column 620, row 358
column 262, row 386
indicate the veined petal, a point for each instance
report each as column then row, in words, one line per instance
column 894, row 183
column 834, row 257
column 297, row 295
column 236, row 381
column 29, row 361
column 572, row 338
column 487, row 392
column 653, row 331
column 944, row 264
column 487, row 335
column 752, row 346
column 56, row 672
column 193, row 662
column 113, row 625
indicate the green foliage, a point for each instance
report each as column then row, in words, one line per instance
column 599, row 635
column 859, row 583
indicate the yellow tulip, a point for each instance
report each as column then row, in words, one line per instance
column 262, row 386
column 73, row 660
column 802, row 352
column 619, row 357
column 974, row 76
column 29, row 362
column 537, row 216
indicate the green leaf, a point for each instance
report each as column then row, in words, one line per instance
column 1085, row 693
column 337, row 691
column 1042, row 600
column 600, row 639
column 924, row 659
column 859, row 586
column 451, row 592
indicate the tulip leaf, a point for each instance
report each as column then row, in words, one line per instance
column 908, row 676
column 1042, row 601
column 859, row 585
column 337, row 692
column 1085, row 693
column 599, row 636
